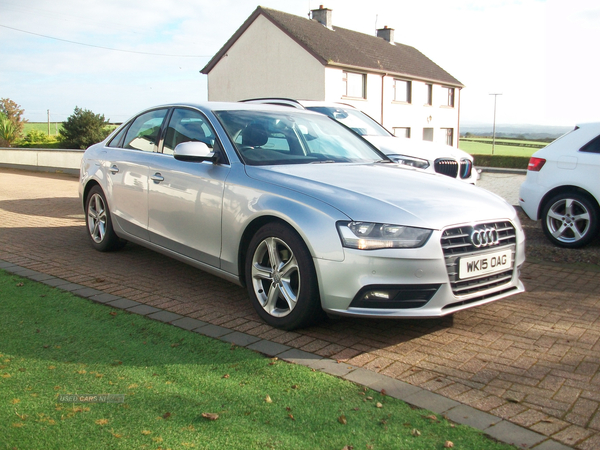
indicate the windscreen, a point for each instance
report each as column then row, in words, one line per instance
column 354, row 119
column 274, row 138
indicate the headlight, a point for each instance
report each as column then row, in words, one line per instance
column 410, row 161
column 371, row 236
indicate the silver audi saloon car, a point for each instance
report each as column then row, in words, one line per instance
column 307, row 215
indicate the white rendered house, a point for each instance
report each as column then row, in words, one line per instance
column 275, row 54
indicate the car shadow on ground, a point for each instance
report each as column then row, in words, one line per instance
column 53, row 207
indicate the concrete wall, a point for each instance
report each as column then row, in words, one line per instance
column 44, row 160
column 265, row 62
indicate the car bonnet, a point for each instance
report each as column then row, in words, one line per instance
column 388, row 193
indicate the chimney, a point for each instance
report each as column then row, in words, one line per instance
column 323, row 16
column 386, row 34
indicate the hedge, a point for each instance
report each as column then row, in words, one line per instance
column 501, row 161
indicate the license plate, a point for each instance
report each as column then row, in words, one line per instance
column 475, row 266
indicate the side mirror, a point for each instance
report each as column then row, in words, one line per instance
column 193, row 151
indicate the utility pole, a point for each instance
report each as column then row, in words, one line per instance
column 48, row 122
column 494, row 132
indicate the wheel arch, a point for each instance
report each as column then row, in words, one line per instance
column 563, row 190
column 250, row 231
column 86, row 190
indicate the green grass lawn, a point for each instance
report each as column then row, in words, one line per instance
column 53, row 343
column 480, row 148
column 43, row 127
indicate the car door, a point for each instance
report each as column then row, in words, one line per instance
column 186, row 198
column 127, row 171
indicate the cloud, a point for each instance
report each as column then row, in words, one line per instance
column 532, row 51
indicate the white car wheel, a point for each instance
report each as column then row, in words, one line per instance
column 570, row 220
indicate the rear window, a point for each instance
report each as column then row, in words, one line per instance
column 592, row 147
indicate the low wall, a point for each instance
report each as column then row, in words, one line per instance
column 42, row 159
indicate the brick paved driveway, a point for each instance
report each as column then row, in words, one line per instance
column 531, row 359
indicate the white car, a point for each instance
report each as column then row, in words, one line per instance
column 562, row 187
column 301, row 211
column 423, row 155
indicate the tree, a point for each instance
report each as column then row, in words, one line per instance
column 8, row 131
column 83, row 128
column 12, row 112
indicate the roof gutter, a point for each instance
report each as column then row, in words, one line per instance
column 398, row 74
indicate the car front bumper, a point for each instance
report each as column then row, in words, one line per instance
column 414, row 283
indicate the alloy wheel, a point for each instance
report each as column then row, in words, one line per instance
column 97, row 218
column 568, row 220
column 275, row 277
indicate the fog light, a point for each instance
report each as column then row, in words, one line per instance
column 376, row 295
column 404, row 296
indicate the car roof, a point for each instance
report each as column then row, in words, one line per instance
column 226, row 106
column 299, row 104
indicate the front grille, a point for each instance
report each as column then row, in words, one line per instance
column 456, row 243
column 447, row 167
column 465, row 168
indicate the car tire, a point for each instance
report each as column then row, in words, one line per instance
column 99, row 223
column 281, row 278
column 570, row 219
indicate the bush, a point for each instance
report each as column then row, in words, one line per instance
column 36, row 137
column 12, row 112
column 8, row 131
column 83, row 128
column 502, row 161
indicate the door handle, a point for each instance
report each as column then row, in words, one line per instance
column 157, row 178
column 113, row 169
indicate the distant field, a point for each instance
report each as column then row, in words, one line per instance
column 483, row 146
column 43, row 127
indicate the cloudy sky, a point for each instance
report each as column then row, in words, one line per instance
column 116, row 57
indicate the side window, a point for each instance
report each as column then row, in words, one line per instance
column 114, row 142
column 591, row 147
column 277, row 141
column 187, row 125
column 143, row 132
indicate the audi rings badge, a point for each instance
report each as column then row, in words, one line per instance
column 485, row 237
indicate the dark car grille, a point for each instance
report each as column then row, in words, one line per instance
column 447, row 167
column 456, row 243
column 466, row 166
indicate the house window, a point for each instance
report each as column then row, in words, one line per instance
column 449, row 135
column 428, row 134
column 402, row 91
column 354, row 85
column 402, row 132
column 429, row 94
column 450, row 97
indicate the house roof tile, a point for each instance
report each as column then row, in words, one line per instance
column 346, row 48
